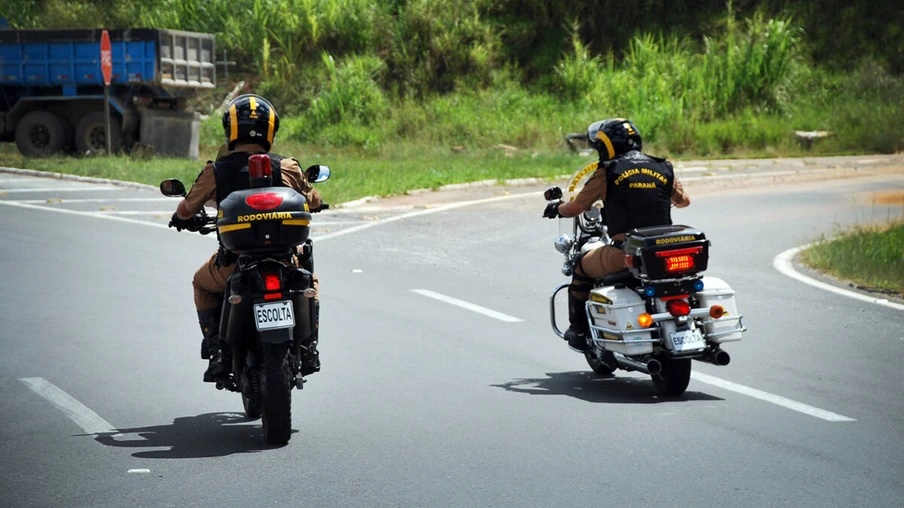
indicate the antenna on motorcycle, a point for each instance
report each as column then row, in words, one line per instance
column 259, row 171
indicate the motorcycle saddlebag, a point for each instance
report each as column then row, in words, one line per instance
column 265, row 218
column 613, row 315
column 666, row 252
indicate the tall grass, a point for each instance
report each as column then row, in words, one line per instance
column 872, row 256
column 370, row 75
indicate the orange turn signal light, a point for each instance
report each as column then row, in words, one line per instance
column 645, row 320
column 716, row 311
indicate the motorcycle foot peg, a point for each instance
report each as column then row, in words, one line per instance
column 300, row 381
column 226, row 384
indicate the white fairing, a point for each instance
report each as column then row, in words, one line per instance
column 613, row 317
column 717, row 292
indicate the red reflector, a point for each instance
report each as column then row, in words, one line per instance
column 678, row 308
column 264, row 201
column 271, row 282
column 259, row 166
column 629, row 260
column 272, row 296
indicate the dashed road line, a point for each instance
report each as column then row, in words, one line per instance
column 84, row 417
column 467, row 305
column 778, row 400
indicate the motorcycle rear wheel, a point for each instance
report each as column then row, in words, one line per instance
column 251, row 392
column 597, row 366
column 675, row 376
column 277, row 394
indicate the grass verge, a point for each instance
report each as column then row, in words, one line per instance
column 356, row 173
column 870, row 256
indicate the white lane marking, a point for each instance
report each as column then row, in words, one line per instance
column 778, row 400
column 438, row 208
column 139, row 471
column 164, row 214
column 783, row 264
column 100, row 200
column 96, row 215
column 85, row 418
column 467, row 305
column 60, row 189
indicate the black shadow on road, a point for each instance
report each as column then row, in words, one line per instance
column 592, row 387
column 190, row 437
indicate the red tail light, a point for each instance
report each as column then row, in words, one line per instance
column 271, row 282
column 679, row 260
column 678, row 308
column 259, row 166
column 264, row 201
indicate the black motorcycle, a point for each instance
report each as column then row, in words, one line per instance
column 269, row 314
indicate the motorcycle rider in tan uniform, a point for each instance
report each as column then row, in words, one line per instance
column 637, row 191
column 250, row 124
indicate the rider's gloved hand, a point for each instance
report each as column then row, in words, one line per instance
column 192, row 224
column 552, row 210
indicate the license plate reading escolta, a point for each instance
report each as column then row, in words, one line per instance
column 274, row 316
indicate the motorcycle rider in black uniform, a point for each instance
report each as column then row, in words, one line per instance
column 250, row 124
column 637, row 191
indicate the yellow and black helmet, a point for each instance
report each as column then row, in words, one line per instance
column 614, row 137
column 252, row 119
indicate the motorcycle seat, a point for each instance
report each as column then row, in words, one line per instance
column 622, row 277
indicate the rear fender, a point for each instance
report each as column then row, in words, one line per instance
column 277, row 336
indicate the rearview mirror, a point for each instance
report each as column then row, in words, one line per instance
column 317, row 173
column 172, row 188
column 552, row 193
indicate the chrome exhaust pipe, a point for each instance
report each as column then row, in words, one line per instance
column 651, row 367
column 718, row 357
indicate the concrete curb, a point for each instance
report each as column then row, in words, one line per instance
column 76, row 178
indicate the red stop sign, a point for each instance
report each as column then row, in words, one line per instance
column 106, row 57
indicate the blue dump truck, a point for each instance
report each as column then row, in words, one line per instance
column 52, row 90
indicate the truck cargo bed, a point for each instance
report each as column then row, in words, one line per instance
column 148, row 56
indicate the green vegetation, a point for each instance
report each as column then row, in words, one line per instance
column 870, row 256
column 424, row 91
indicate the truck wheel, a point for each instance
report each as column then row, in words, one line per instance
column 41, row 134
column 90, row 133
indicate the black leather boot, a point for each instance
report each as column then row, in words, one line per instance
column 310, row 357
column 210, row 327
column 578, row 329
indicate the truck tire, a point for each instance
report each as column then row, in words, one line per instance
column 41, row 134
column 90, row 133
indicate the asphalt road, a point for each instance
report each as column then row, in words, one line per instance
column 425, row 403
